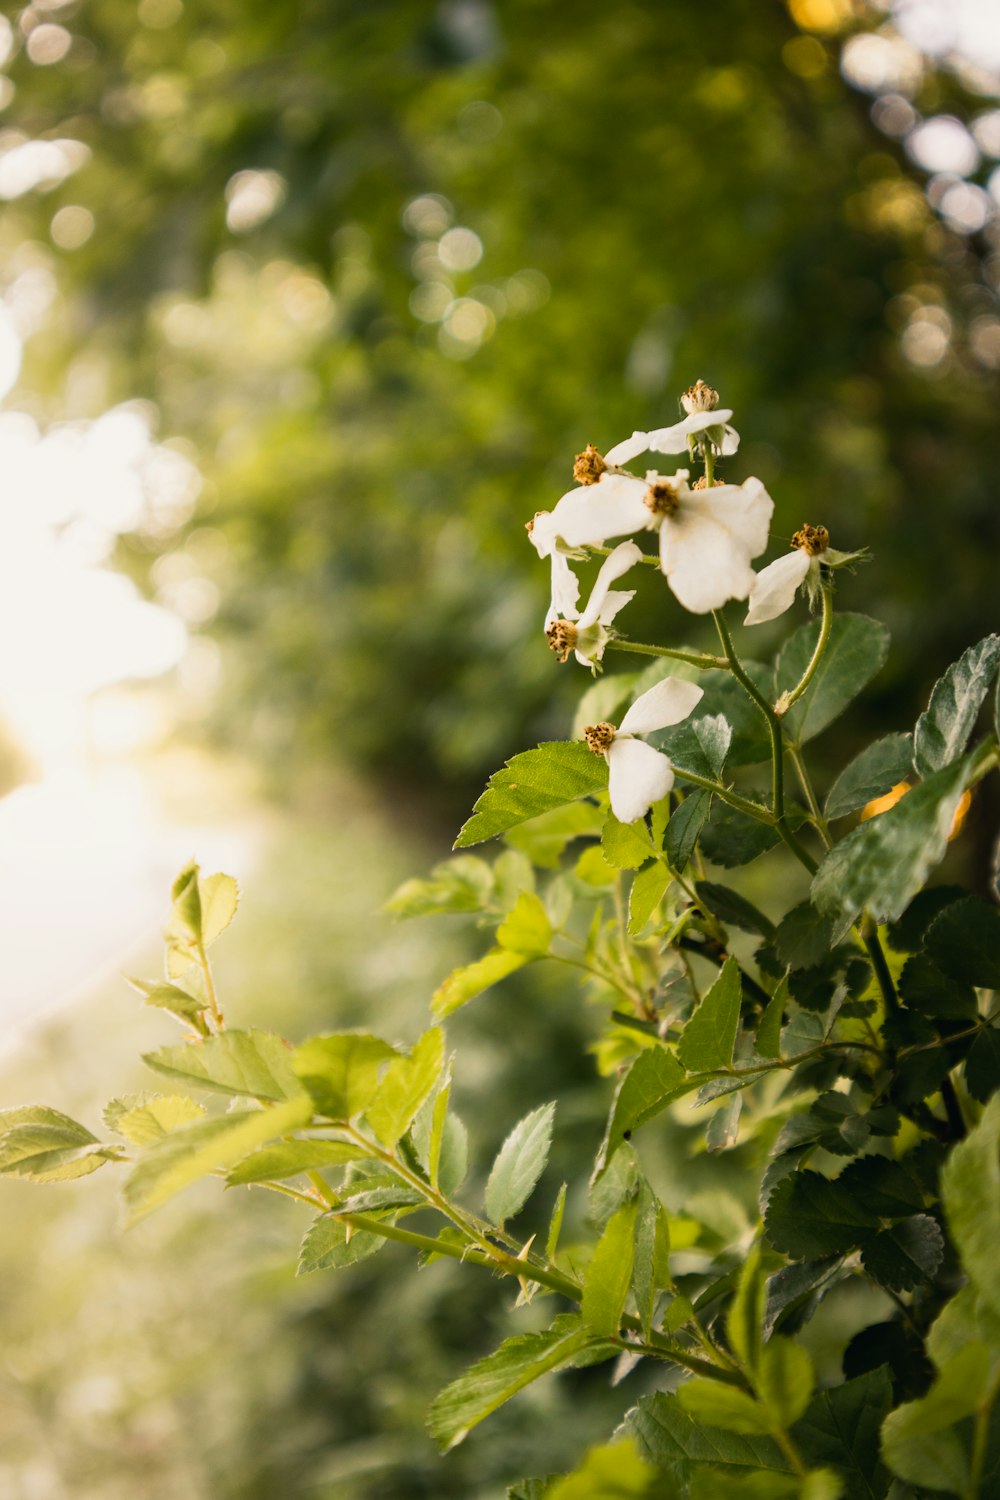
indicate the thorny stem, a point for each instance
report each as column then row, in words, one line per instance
column 694, row 658
column 210, row 996
column 786, row 700
column 867, row 929
column 773, row 724
column 742, row 804
column 805, row 782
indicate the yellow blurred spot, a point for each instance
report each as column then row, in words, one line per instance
column 883, row 804
column 804, row 56
column 821, row 15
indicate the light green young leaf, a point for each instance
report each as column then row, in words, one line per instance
column 465, row 983
column 654, row 1080
column 555, row 1224
column 645, row 1267
column 462, row 884
column 340, row 1071
column 883, row 863
column 857, row 649
column 406, row 1083
column 47, row 1146
column 289, row 1158
column 768, row 1038
column 723, row 1406
column 919, row 1440
column 169, row 997
column 519, row 1164
column 441, row 1143
column 648, row 889
column 871, row 774
column 965, row 1319
column 185, row 896
column 944, row 728
column 532, row 783
column 970, row 1191
column 145, row 1120
column 487, row 1385
column 613, row 1472
column 329, row 1246
column 254, row 1063
column 543, row 839
column 210, row 1145
column 220, row 896
column 709, row 1037
column 526, row 928
column 625, row 846
column 746, row 1315
column 785, row 1380
column 609, row 1273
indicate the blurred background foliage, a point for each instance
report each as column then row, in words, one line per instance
column 377, row 271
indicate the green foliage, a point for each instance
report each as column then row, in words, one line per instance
column 857, row 650
column 536, row 781
column 341, row 1071
column 609, row 1274
column 519, row 1164
column 710, row 1035
column 252, row 1064
column 48, row 1146
column 945, row 727
column 872, row 773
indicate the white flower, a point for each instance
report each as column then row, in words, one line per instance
column 708, row 538
column 638, row 775
column 588, row 515
column 586, row 634
column 713, row 426
column 774, row 587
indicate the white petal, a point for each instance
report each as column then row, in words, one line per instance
column 675, row 439
column 628, row 449
column 703, row 563
column 775, row 587
column 565, row 590
column 744, row 509
column 668, row 702
column 625, row 556
column 613, row 604
column 586, row 517
column 730, row 441
column 638, row 776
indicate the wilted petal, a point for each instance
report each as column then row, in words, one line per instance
column 703, row 563
column 775, row 586
column 565, row 590
column 668, row 702
column 638, row 776
column 628, row 449
column 625, row 556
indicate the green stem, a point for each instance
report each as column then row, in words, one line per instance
column 693, row 658
column 773, row 723
column 652, row 562
column 868, row 931
column 805, row 782
column 786, row 700
column 979, row 1443
column 742, row 804
column 790, row 1451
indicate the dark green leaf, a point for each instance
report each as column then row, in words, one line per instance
column 686, row 823
column 644, row 1268
column 871, row 774
column 733, row 909
column 254, row 1063
column 329, row 1246
column 519, row 1164
column 673, row 1440
column 982, row 1066
column 768, row 1038
column 654, row 1080
column 964, row 941
column 857, row 648
column 907, row 934
column 906, row 1254
column 944, row 728
column 625, row 846
column 731, row 838
column 883, row 1188
column 794, row 1292
column 809, row 1215
column 804, row 937
column 709, row 1037
column 532, row 783
column 699, row 746
column 841, row 1428
column 750, row 742
column 883, row 863
column 923, row 987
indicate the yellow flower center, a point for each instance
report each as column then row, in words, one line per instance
column 599, row 737
column 588, row 466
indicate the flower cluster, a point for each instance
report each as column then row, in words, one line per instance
column 708, row 534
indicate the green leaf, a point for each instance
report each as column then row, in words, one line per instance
column 883, row 863
column 169, row 997
column 857, row 649
column 709, row 1038
column 964, row 941
column 330, row 1245
column 674, row 1441
column 149, row 1119
column 871, row 774
column 645, row 1265
column 498, row 1377
column 47, row 1146
column 768, row 1038
column 808, row 1215
column 185, row 896
column 654, row 1080
column 531, row 783
column 907, row 934
column 220, row 896
column 252, row 1063
column 406, row 1083
column 982, row 1066
column 750, row 742
column 609, row 1273
column 841, row 1428
column 648, row 889
column 733, row 909
column 289, row 1158
column 732, row 838
column 612, row 1472
column 461, row 884
column 924, row 988
column 443, row 1146
column 723, row 1406
column 699, row 745
column 919, row 1441
column 944, row 728
column 905, row 1254
column 340, row 1071
column 555, row 1224
column 746, row 1313
column 519, row 1164
column 965, row 1319
column 544, row 839
column 210, row 1145
column 526, row 928
column 803, row 937
column 626, row 846
column 785, row 1380
column 686, row 823
column 465, row 983
column 970, row 1191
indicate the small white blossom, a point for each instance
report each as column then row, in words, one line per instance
column 586, row 634
column 711, row 426
column 774, row 587
column 588, row 515
column 638, row 775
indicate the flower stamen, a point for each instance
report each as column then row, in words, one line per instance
column 811, row 539
column 662, row 498
column 600, row 737
column 703, row 484
column 700, row 397
column 588, row 466
column 562, row 638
